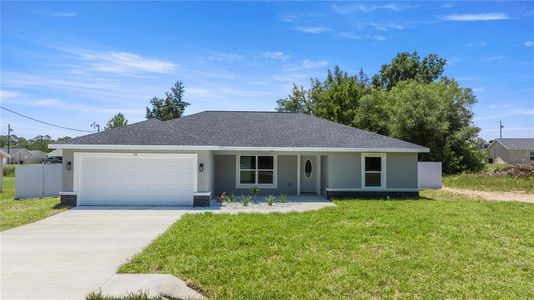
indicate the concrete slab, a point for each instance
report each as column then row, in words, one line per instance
column 154, row 284
column 73, row 253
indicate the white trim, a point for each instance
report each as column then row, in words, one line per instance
column 298, row 174
column 383, row 172
column 202, row 194
column 230, row 148
column 78, row 156
column 369, row 190
column 68, row 193
column 318, row 167
column 239, row 185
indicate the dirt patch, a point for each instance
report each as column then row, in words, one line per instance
column 493, row 196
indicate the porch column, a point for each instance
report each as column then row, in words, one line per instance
column 298, row 175
column 318, row 172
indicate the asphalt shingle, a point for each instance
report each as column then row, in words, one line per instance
column 518, row 143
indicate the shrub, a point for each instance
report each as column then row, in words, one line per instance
column 9, row 170
column 230, row 198
column 254, row 190
column 270, row 200
column 283, row 198
column 245, row 199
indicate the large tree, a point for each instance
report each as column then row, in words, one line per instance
column 409, row 99
column 117, row 120
column 170, row 107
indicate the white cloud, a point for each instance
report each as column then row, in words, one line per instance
column 365, row 8
column 385, row 26
column 351, row 36
column 313, row 29
column 220, row 56
column 125, row 63
column 379, row 38
column 476, row 17
column 498, row 106
column 529, row 43
column 288, row 18
column 310, row 64
column 63, row 14
column 478, row 44
column 277, row 55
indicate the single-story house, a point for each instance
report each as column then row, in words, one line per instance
column 188, row 160
column 511, row 151
column 38, row 155
column 3, row 155
column 56, row 153
column 21, row 156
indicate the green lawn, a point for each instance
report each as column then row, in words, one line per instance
column 14, row 213
column 490, row 183
column 440, row 246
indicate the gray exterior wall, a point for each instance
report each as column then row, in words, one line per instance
column 225, row 176
column 501, row 155
column 401, row 169
column 204, row 183
column 344, row 170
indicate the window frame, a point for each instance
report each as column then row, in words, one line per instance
column 383, row 172
column 240, row 185
column 311, row 167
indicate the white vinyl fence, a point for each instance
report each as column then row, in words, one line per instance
column 429, row 175
column 37, row 181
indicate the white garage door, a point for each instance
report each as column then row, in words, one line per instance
column 143, row 179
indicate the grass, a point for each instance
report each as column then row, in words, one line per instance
column 441, row 245
column 14, row 213
column 490, row 183
column 142, row 295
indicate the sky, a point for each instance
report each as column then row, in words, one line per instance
column 75, row 63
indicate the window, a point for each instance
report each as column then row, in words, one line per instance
column 373, row 167
column 308, row 169
column 532, row 156
column 256, row 170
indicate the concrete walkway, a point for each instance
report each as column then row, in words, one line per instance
column 68, row 255
column 71, row 254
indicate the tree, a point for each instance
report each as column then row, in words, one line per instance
column 117, row 120
column 297, row 101
column 170, row 107
column 409, row 66
column 39, row 142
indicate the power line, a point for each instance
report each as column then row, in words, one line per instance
column 43, row 122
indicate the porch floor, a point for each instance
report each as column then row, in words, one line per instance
column 295, row 203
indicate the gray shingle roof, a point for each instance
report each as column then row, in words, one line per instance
column 245, row 129
column 517, row 143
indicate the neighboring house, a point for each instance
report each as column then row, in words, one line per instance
column 3, row 156
column 21, row 156
column 38, row 156
column 55, row 156
column 511, row 151
column 187, row 161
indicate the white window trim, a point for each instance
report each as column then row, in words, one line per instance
column 240, row 185
column 383, row 173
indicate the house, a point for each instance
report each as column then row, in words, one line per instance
column 186, row 161
column 511, row 151
column 38, row 156
column 57, row 153
column 3, row 155
column 21, row 156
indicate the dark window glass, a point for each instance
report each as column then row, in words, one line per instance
column 372, row 179
column 265, row 162
column 247, row 162
column 373, row 164
column 265, row 177
column 247, row 177
column 531, row 155
column 308, row 168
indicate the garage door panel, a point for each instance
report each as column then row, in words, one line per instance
column 132, row 180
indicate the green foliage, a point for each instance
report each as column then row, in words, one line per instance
column 170, row 107
column 141, row 295
column 409, row 99
column 39, row 142
column 9, row 170
column 117, row 120
column 270, row 200
column 230, row 198
column 254, row 190
column 408, row 249
column 245, row 200
column 490, row 183
column 283, row 198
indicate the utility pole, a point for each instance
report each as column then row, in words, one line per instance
column 8, row 136
column 500, row 128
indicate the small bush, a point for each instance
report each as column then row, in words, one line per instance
column 270, row 200
column 9, row 170
column 230, row 198
column 141, row 295
column 283, row 198
column 245, row 199
column 254, row 190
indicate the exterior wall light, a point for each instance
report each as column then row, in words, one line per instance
column 69, row 166
column 201, row 167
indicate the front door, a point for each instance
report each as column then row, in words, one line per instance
column 308, row 174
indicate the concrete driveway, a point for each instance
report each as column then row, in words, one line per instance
column 70, row 254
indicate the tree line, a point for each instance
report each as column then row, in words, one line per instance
column 410, row 99
column 39, row 142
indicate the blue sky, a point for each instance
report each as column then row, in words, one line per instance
column 74, row 63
